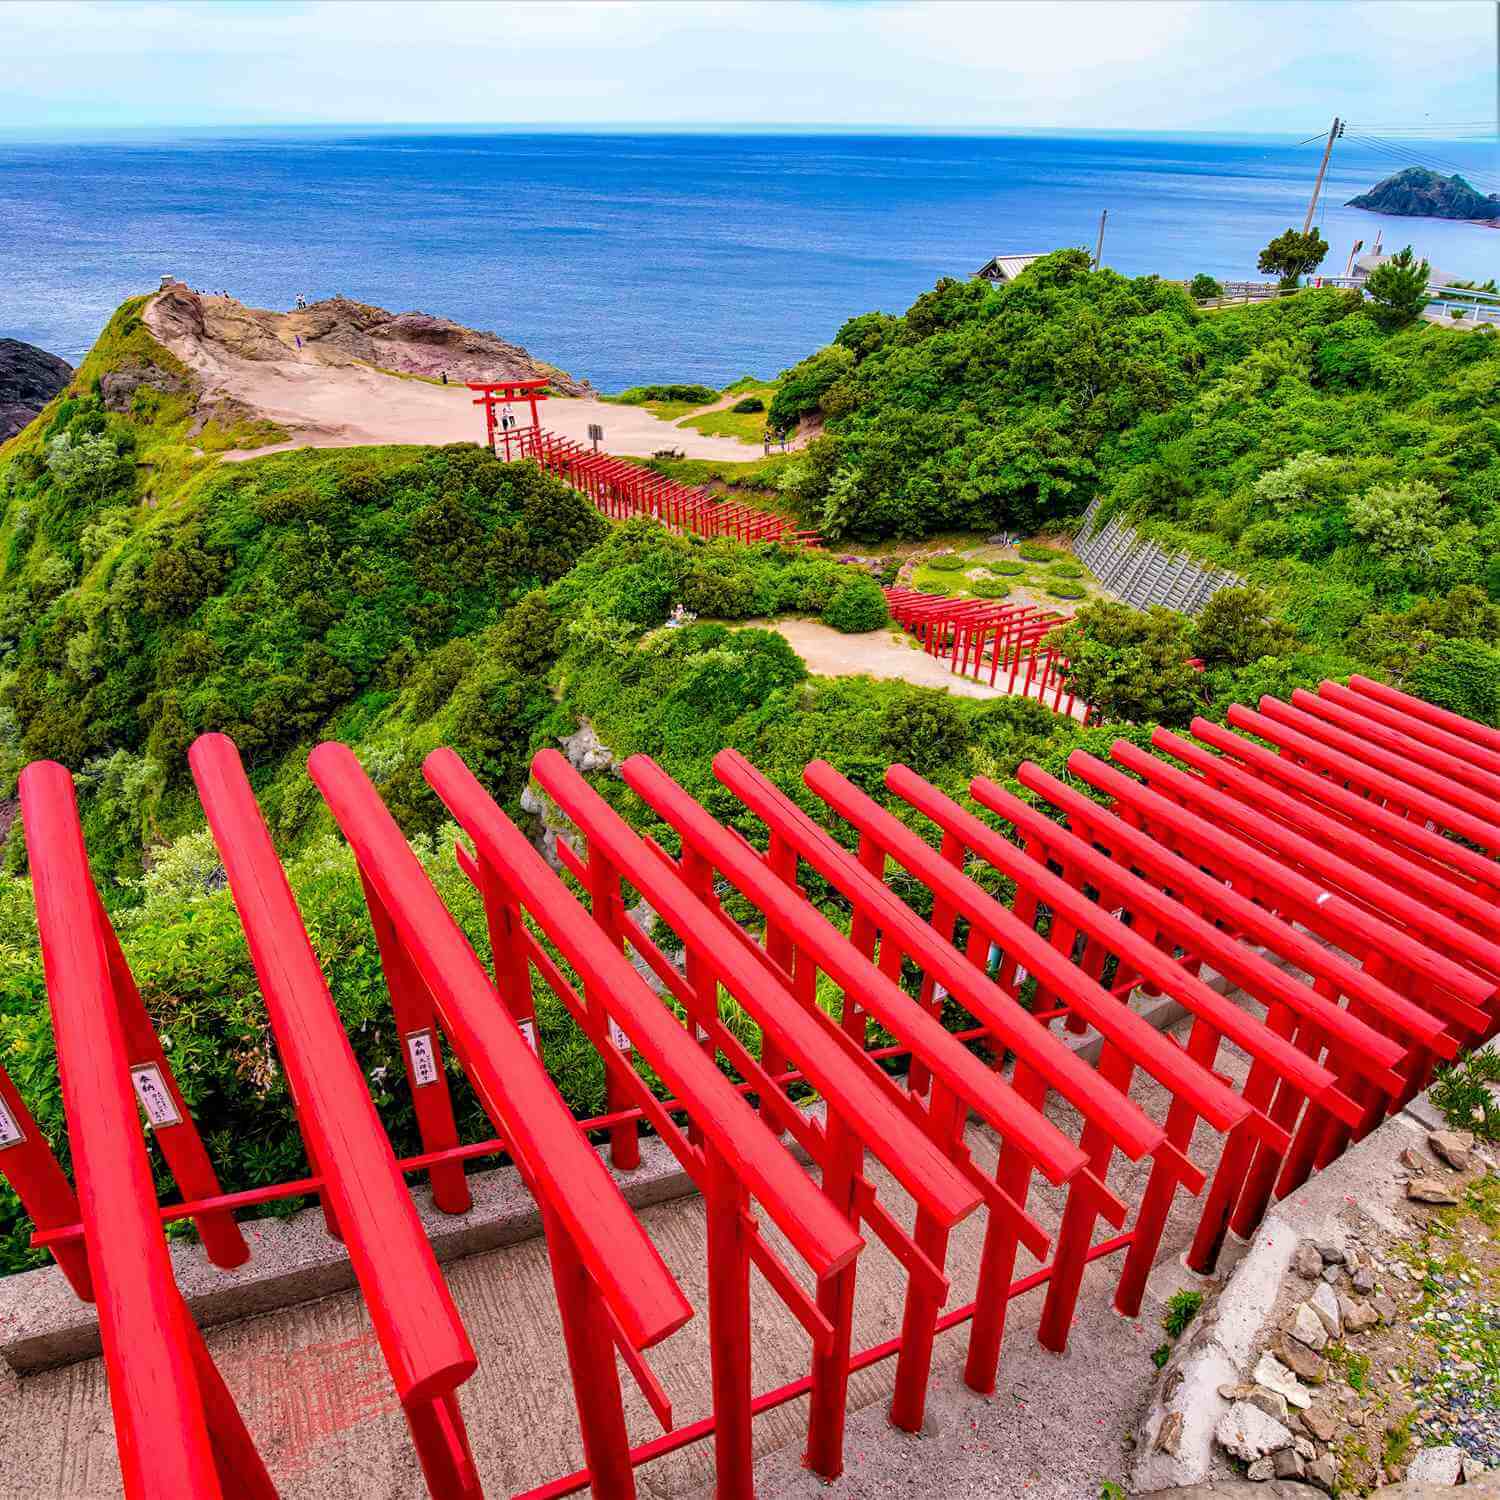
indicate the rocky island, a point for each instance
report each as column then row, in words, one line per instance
column 1419, row 193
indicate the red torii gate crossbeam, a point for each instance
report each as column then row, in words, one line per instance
column 512, row 436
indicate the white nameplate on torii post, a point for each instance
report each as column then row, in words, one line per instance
column 11, row 1133
column 156, row 1098
column 423, row 1058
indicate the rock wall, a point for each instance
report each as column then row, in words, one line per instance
column 29, row 379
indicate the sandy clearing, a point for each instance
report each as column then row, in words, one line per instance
column 352, row 405
column 879, row 653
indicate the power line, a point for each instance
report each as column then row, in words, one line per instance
column 1408, row 157
column 1394, row 128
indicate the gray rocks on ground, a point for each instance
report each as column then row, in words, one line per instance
column 1321, row 1422
column 1303, row 1362
column 29, row 379
column 1453, row 1147
column 1248, row 1433
column 1307, row 1327
column 1436, row 1466
column 1307, row 1262
column 1430, row 1190
column 1277, row 1376
column 1324, row 1301
column 1238, row 1489
column 1288, row 1463
column 1487, row 1487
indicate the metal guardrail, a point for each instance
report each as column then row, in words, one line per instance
column 1142, row 573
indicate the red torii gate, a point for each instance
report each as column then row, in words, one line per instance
column 1322, row 821
column 493, row 393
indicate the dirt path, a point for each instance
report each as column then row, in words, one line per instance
column 880, row 653
column 351, row 407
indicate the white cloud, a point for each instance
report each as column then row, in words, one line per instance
column 1169, row 65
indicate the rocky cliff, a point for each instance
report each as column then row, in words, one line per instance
column 340, row 332
column 29, row 379
column 1419, row 193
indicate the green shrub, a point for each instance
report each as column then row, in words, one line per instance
column 529, row 637
column 1131, row 664
column 1461, row 676
column 699, row 395
column 988, row 588
column 1034, row 552
column 1182, row 1308
column 922, row 729
column 747, row 405
column 1007, row 569
column 1203, row 287
column 1067, row 569
column 948, row 562
column 1066, row 591
column 1236, row 628
column 858, row 606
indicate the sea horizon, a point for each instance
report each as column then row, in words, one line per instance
column 649, row 254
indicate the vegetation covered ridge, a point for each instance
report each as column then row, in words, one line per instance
column 1342, row 454
column 396, row 598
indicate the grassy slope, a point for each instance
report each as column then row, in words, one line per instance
column 391, row 597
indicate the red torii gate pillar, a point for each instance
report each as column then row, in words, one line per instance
column 502, row 393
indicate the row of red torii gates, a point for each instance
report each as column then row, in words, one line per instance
column 1333, row 858
column 620, row 487
column 971, row 634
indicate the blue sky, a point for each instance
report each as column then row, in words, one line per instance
column 1231, row 65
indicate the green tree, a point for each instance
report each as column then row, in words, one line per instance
column 1399, row 289
column 1400, row 522
column 1131, row 664
column 88, row 467
column 1235, row 628
column 1204, row 288
column 1293, row 255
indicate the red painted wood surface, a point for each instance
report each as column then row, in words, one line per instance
column 1353, row 816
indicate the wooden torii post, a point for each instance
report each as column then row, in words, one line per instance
column 517, row 440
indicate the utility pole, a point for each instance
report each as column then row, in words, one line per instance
column 1334, row 132
column 1099, row 247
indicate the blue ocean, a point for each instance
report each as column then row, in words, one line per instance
column 637, row 257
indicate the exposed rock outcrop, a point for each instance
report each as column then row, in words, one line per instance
column 1417, row 192
column 340, row 332
column 29, row 379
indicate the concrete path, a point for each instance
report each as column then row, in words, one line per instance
column 316, row 1396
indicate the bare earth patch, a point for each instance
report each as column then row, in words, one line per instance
column 345, row 386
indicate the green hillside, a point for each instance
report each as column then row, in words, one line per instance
column 402, row 598
column 396, row 599
column 1345, row 461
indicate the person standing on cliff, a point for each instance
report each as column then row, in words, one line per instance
column 445, row 377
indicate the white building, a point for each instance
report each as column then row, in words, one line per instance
column 1003, row 268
